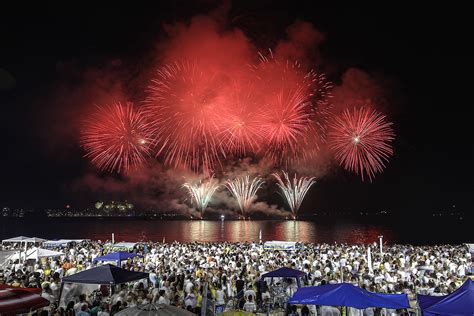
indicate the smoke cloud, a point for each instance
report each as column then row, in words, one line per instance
column 228, row 52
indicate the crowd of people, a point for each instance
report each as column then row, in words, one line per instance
column 227, row 275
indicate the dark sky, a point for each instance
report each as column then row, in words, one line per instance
column 424, row 51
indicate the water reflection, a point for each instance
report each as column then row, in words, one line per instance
column 229, row 230
column 200, row 230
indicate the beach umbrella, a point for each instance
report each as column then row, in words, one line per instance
column 20, row 300
column 154, row 309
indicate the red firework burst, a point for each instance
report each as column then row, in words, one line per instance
column 361, row 141
column 185, row 104
column 202, row 114
column 117, row 137
column 241, row 132
column 292, row 108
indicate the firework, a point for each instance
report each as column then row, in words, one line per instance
column 244, row 191
column 294, row 191
column 185, row 106
column 202, row 115
column 241, row 131
column 201, row 193
column 361, row 141
column 117, row 137
column 292, row 104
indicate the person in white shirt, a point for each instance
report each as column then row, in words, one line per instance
column 249, row 291
column 190, row 300
column 220, row 300
column 163, row 300
column 461, row 270
column 330, row 311
column 250, row 306
column 369, row 311
column 188, row 287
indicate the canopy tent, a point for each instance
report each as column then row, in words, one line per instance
column 36, row 253
column 346, row 294
column 106, row 274
column 34, row 240
column 285, row 273
column 20, row 300
column 102, row 275
column 154, row 309
column 121, row 246
column 61, row 243
column 280, row 245
column 15, row 239
column 23, row 239
column 460, row 302
column 118, row 257
column 425, row 301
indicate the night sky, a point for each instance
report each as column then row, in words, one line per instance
column 422, row 53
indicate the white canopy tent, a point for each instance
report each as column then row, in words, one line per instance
column 15, row 239
column 126, row 246
column 23, row 239
column 36, row 254
column 34, row 240
column 280, row 245
column 61, row 243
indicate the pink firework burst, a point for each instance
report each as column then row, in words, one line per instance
column 361, row 140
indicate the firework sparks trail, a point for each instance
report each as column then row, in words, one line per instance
column 294, row 191
column 117, row 137
column 361, row 140
column 244, row 191
column 201, row 193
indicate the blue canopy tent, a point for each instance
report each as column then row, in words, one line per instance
column 460, row 302
column 425, row 301
column 285, row 273
column 118, row 257
column 103, row 275
column 346, row 294
column 106, row 274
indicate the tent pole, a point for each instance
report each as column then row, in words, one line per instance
column 60, row 293
column 26, row 248
column 381, row 240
